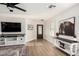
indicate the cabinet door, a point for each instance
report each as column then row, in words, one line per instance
column 20, row 40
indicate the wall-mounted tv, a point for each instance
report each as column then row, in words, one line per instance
column 67, row 27
column 10, row 27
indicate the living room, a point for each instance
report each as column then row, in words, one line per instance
column 35, row 26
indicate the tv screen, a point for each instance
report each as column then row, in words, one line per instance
column 67, row 27
column 10, row 27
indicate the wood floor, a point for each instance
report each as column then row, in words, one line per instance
column 42, row 48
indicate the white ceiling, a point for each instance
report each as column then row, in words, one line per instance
column 37, row 10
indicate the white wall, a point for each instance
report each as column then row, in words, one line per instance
column 32, row 34
column 73, row 11
column 49, row 29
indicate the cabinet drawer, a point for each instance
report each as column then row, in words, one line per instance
column 11, row 39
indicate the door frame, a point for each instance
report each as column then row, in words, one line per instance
column 37, row 30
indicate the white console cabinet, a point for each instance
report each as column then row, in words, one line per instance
column 66, row 46
column 4, row 41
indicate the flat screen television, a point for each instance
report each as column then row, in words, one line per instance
column 10, row 27
column 67, row 27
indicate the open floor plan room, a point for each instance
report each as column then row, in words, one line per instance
column 39, row 29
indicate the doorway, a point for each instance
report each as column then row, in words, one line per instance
column 39, row 31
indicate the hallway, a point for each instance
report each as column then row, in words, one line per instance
column 42, row 48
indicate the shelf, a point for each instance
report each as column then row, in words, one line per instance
column 64, row 50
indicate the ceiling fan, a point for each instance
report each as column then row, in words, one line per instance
column 12, row 5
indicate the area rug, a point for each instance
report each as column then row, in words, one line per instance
column 16, row 50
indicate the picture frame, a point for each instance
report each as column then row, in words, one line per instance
column 30, row 27
column 67, row 27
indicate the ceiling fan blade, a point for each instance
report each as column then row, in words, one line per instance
column 12, row 4
column 19, row 8
column 3, row 3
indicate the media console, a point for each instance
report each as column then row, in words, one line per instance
column 11, row 39
column 68, row 46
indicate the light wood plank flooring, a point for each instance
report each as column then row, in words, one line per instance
column 42, row 48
